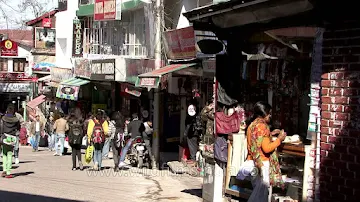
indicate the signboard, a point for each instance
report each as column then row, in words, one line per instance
column 147, row 82
column 62, row 5
column 46, row 22
column 103, row 70
column 107, row 10
column 135, row 67
column 180, row 43
column 15, row 77
column 209, row 65
column 60, row 74
column 82, row 68
column 15, row 87
column 45, row 38
column 77, row 39
column 68, row 92
column 9, row 48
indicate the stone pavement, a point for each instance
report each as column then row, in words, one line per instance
column 42, row 177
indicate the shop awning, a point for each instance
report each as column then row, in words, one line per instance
column 75, row 82
column 36, row 101
column 152, row 79
column 45, row 78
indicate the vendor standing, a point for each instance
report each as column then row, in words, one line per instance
column 262, row 151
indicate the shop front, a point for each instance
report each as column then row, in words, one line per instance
column 271, row 66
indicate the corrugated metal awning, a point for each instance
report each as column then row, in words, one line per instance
column 36, row 101
column 75, row 82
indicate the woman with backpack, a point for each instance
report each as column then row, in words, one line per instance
column 97, row 128
column 76, row 135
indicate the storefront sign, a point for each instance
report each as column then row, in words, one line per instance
column 103, row 70
column 15, row 77
column 77, row 39
column 68, row 92
column 209, row 65
column 60, row 74
column 62, row 5
column 107, row 10
column 46, row 22
column 45, row 38
column 147, row 82
column 14, row 87
column 9, row 48
column 180, row 43
column 135, row 67
column 82, row 68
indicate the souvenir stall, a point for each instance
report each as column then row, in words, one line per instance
column 281, row 78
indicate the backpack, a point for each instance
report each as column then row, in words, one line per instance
column 76, row 134
column 98, row 135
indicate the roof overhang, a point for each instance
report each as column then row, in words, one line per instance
column 234, row 14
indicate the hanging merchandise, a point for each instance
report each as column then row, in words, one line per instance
column 227, row 124
column 244, row 70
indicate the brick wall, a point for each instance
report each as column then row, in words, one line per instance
column 340, row 122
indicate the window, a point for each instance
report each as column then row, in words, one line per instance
column 3, row 65
column 19, row 65
column 86, row 2
column 121, row 37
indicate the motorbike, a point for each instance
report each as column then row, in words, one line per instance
column 139, row 155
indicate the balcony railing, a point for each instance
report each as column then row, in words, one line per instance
column 110, row 41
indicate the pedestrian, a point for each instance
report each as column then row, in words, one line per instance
column 37, row 127
column 50, row 130
column 9, row 127
column 135, row 129
column 116, row 128
column 87, row 120
column 76, row 135
column 61, row 126
column 97, row 128
column 147, row 136
column 106, row 148
column 17, row 144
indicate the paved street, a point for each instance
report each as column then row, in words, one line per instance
column 43, row 177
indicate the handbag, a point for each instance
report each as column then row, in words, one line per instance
column 221, row 149
column 227, row 124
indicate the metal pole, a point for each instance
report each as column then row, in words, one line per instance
column 158, row 30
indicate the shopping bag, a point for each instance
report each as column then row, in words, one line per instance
column 84, row 141
column 89, row 154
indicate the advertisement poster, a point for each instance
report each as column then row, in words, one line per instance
column 9, row 48
column 107, row 10
column 45, row 38
column 180, row 43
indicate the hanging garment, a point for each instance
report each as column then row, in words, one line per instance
column 239, row 152
column 223, row 97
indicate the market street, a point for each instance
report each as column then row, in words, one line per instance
column 42, row 177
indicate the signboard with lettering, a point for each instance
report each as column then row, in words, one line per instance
column 77, row 39
column 15, row 87
column 82, row 68
column 15, row 77
column 60, row 74
column 107, row 10
column 46, row 22
column 62, row 5
column 9, row 48
column 103, row 70
column 180, row 43
column 135, row 67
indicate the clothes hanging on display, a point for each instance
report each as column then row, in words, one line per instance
column 239, row 152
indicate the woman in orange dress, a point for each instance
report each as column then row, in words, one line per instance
column 262, row 151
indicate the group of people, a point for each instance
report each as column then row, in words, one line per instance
column 101, row 131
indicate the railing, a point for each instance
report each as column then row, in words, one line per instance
column 110, row 41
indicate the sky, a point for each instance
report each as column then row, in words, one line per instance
column 11, row 9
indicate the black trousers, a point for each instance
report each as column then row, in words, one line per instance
column 193, row 144
column 76, row 152
column 116, row 153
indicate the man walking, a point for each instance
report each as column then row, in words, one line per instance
column 36, row 128
column 17, row 143
column 60, row 126
column 135, row 129
column 9, row 127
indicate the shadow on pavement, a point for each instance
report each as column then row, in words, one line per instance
column 194, row 192
column 22, row 174
column 22, row 162
column 14, row 196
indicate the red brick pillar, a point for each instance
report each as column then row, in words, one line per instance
column 340, row 117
